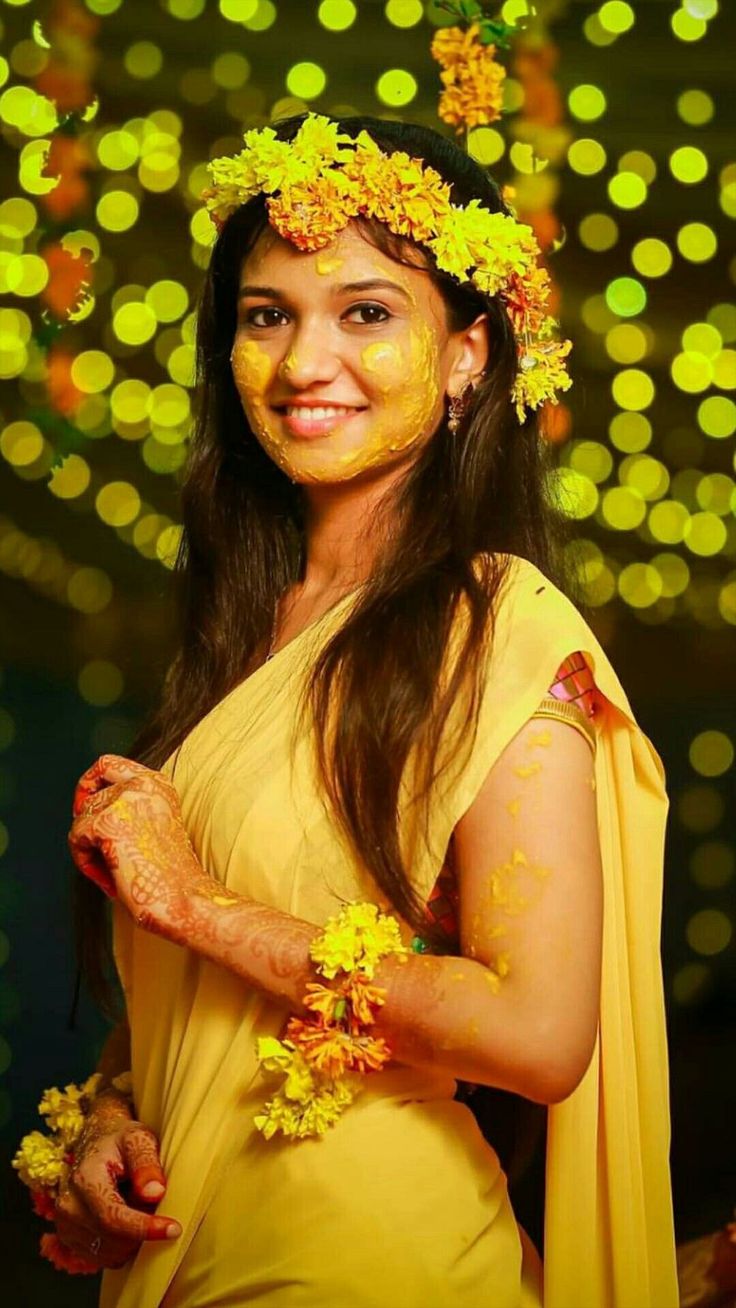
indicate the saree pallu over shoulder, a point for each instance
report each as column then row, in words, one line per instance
column 609, row 1230
column 258, row 822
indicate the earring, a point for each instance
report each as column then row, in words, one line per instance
column 458, row 405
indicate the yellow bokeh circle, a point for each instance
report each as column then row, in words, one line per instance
column 92, row 371
column 717, row 416
column 691, row 372
column 622, row 508
column 21, row 443
column 711, row 753
column 134, row 323
column 306, row 79
column 640, row 585
column 587, row 102
column 709, row 931
column 626, row 342
column 627, row 190
column 651, row 257
column 688, row 164
column 630, row 432
column 695, row 107
column 705, row 534
column 118, row 503
column 598, row 231
column 89, row 590
column 71, row 479
column 100, row 682
column 396, row 87
column 27, row 274
column 586, row 156
column 633, row 389
column 117, row 211
column 697, row 242
column 667, row 521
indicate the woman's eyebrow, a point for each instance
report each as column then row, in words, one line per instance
column 373, row 283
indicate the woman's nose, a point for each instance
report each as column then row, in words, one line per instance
column 309, row 359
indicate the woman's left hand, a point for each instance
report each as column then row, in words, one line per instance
column 128, row 836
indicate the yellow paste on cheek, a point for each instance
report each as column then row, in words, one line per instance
column 253, row 371
column 381, row 357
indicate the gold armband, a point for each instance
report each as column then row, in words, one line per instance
column 566, row 711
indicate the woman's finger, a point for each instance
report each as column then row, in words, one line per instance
column 89, row 859
column 140, row 1152
column 112, row 1214
column 108, row 769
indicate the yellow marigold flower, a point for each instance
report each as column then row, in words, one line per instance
column 310, row 1118
column 39, row 1160
column 544, row 374
column 63, row 1112
column 311, row 215
column 283, row 1056
column 318, row 141
column 356, row 938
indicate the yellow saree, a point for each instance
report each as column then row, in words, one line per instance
column 402, row 1204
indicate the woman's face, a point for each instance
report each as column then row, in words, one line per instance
column 377, row 358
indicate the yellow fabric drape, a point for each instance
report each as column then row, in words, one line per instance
column 263, row 1220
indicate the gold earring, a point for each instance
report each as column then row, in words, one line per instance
column 458, row 405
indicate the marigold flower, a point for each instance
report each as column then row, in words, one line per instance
column 39, row 1160
column 543, row 375
column 64, row 1258
column 311, row 214
column 356, row 939
column 43, row 1204
column 472, row 79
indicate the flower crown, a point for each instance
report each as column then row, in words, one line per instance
column 323, row 178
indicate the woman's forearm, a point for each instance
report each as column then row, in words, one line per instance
column 443, row 1011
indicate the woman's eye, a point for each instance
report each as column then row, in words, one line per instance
column 250, row 317
column 371, row 308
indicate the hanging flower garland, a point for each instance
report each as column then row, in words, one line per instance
column 66, row 81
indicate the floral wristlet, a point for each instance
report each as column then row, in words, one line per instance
column 43, row 1161
column 322, row 1055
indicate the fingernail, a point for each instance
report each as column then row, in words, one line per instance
column 173, row 1229
column 152, row 1190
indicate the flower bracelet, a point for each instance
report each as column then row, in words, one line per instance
column 322, row 1055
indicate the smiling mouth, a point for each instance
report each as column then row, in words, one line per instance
column 315, row 421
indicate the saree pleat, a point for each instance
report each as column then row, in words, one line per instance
column 402, row 1204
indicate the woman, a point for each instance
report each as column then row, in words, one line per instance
column 391, row 562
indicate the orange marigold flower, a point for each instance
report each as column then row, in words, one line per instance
column 43, row 1204
column 64, row 1258
column 320, row 999
column 333, row 1051
column 310, row 216
column 473, row 94
column 363, row 998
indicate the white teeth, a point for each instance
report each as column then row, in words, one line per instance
column 295, row 411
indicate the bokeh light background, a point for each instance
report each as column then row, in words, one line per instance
column 618, row 137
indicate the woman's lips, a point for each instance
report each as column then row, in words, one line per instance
column 299, row 426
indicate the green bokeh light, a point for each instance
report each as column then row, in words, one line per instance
column 396, row 87
column 306, row 79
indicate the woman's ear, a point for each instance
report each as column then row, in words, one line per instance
column 473, row 346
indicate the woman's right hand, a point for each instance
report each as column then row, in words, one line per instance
column 93, row 1217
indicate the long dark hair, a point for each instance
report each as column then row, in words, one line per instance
column 483, row 490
